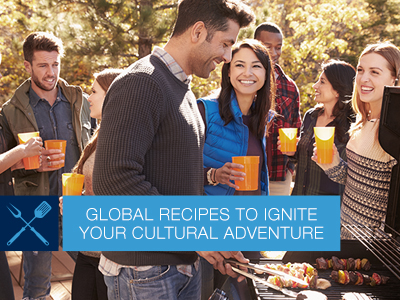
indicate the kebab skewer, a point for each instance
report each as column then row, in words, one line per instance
column 356, row 278
column 349, row 264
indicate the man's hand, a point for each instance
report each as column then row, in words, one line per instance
column 216, row 258
column 51, row 157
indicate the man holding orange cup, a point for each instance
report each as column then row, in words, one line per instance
column 59, row 145
column 46, row 104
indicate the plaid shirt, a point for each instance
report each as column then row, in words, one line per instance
column 172, row 65
column 287, row 107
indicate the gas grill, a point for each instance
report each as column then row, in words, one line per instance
column 381, row 244
column 389, row 139
column 377, row 246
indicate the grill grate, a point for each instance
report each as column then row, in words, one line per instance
column 390, row 291
column 381, row 244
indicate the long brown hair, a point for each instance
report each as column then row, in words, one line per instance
column 104, row 79
column 264, row 98
column 392, row 55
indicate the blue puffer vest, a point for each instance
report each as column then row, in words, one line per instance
column 223, row 142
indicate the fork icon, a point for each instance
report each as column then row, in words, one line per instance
column 40, row 212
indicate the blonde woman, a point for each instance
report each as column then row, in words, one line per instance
column 366, row 174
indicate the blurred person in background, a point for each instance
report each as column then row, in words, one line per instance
column 88, row 281
column 9, row 160
column 287, row 108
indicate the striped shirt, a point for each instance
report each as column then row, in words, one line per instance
column 367, row 177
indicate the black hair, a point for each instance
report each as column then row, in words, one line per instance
column 341, row 76
column 265, row 96
column 214, row 13
column 267, row 26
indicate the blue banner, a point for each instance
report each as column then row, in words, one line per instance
column 201, row 223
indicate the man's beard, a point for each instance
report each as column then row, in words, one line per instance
column 39, row 84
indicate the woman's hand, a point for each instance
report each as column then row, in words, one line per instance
column 30, row 148
column 226, row 173
column 60, row 204
column 285, row 153
column 51, row 157
column 335, row 159
column 33, row 147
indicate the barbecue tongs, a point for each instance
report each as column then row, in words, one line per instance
column 263, row 281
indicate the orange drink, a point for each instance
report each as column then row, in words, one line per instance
column 56, row 144
column 288, row 137
column 30, row 163
column 72, row 184
column 324, row 138
column 250, row 163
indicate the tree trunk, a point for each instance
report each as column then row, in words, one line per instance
column 145, row 41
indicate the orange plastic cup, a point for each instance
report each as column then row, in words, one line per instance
column 250, row 163
column 56, row 144
column 72, row 184
column 30, row 163
column 324, row 137
column 288, row 137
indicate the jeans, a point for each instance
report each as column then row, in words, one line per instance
column 37, row 268
column 159, row 282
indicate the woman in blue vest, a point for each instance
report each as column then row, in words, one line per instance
column 235, row 121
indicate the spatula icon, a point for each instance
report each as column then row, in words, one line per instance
column 40, row 212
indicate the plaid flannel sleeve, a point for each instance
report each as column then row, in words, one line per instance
column 288, row 116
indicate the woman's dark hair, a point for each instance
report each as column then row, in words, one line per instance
column 341, row 76
column 265, row 96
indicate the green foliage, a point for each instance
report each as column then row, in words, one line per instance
column 316, row 31
column 97, row 34
column 100, row 34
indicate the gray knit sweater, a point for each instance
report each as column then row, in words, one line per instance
column 150, row 143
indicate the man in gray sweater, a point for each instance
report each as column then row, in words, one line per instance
column 151, row 143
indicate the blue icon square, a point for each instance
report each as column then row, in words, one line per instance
column 29, row 223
